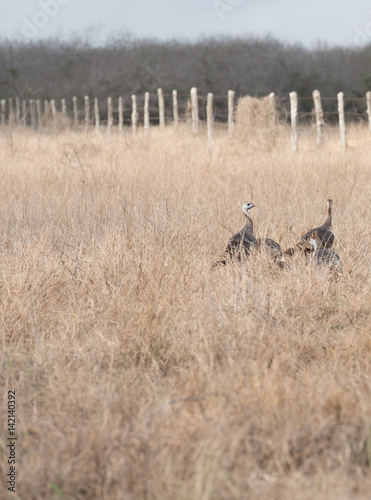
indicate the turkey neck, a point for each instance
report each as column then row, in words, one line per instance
column 249, row 225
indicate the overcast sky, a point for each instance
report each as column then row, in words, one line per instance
column 344, row 22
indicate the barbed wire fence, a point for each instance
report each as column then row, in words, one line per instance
column 155, row 108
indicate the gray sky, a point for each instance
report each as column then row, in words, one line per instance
column 306, row 21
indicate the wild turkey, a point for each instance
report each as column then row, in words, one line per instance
column 273, row 248
column 322, row 234
column 242, row 243
column 324, row 256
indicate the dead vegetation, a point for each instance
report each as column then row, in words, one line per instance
column 255, row 127
column 141, row 373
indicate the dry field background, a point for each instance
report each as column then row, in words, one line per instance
column 139, row 372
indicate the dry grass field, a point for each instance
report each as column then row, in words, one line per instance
column 140, row 372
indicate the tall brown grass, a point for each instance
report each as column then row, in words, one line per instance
column 140, row 372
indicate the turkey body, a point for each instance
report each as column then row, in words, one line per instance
column 323, row 236
column 242, row 243
column 325, row 257
column 273, row 248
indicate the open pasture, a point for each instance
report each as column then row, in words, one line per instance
column 140, row 372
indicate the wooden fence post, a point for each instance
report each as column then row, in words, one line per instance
column 210, row 118
column 87, row 113
column 134, row 114
column 64, row 112
column 294, row 120
column 343, row 136
column 3, row 111
column 194, row 110
column 319, row 116
column 231, row 94
column 24, row 113
column 109, row 115
column 33, row 113
column 175, row 108
column 96, row 114
column 54, row 112
column 121, row 115
column 146, row 111
column 39, row 115
column 75, row 113
column 368, row 101
column 17, row 111
column 11, row 112
column 161, row 108
column 272, row 108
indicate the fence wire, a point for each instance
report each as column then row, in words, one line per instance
column 36, row 112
